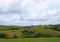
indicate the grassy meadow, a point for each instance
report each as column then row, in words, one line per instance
column 31, row 40
column 31, row 34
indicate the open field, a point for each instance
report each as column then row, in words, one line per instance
column 31, row 40
column 39, row 29
column 43, row 34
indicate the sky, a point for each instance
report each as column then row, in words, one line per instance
column 29, row 12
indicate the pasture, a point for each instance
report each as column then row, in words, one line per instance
column 31, row 40
column 54, row 34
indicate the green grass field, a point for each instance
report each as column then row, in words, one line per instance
column 7, row 30
column 31, row 40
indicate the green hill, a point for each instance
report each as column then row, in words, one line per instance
column 32, row 31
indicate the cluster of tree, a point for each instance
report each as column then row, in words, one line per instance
column 5, row 36
column 33, row 34
column 53, row 27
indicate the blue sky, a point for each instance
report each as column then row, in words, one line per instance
column 29, row 12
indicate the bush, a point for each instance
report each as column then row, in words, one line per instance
column 58, row 36
column 2, row 35
column 36, row 35
column 27, row 32
column 15, row 36
column 6, row 37
column 46, row 35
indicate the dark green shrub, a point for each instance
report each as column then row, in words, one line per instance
column 36, row 35
column 58, row 36
column 27, row 32
column 46, row 35
column 15, row 36
column 6, row 37
column 2, row 35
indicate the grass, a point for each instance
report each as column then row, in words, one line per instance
column 2, row 28
column 7, row 30
column 31, row 40
column 48, row 31
column 18, row 32
column 53, row 33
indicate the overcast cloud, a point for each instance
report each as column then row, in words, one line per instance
column 29, row 12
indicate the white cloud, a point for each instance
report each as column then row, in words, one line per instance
column 24, row 12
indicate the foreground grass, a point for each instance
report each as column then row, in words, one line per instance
column 31, row 40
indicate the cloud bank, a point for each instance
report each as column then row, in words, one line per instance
column 29, row 12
